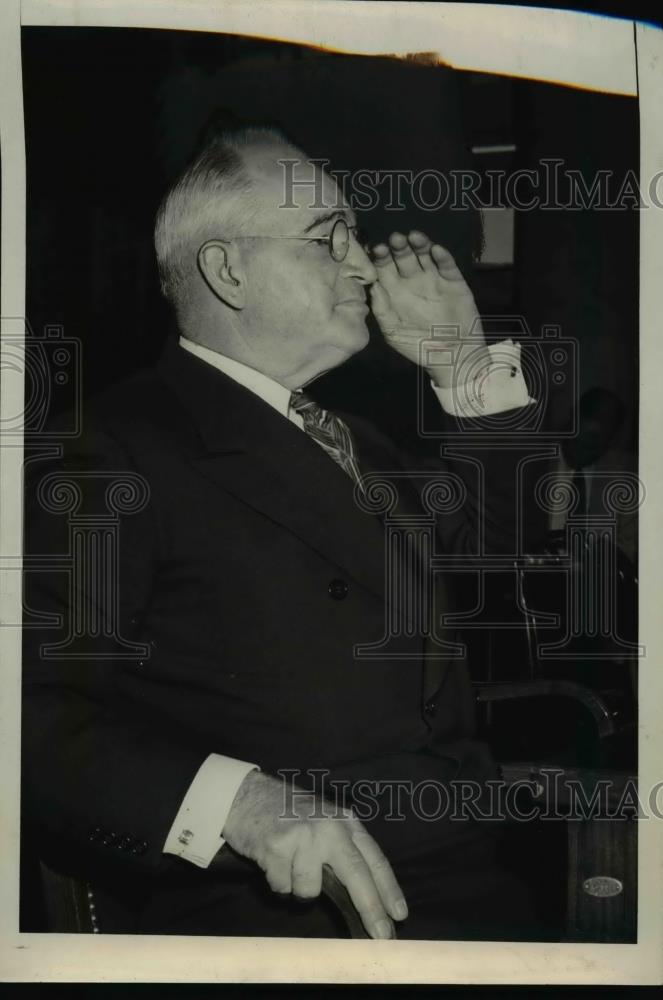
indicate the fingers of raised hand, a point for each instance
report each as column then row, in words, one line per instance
column 445, row 264
column 432, row 257
column 402, row 256
column 422, row 246
column 406, row 261
column 407, row 256
column 383, row 310
column 384, row 263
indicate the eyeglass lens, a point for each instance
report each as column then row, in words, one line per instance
column 339, row 242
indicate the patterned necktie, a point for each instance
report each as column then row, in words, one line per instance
column 330, row 432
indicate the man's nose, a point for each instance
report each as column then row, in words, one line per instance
column 359, row 265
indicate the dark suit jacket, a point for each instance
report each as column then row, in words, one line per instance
column 248, row 574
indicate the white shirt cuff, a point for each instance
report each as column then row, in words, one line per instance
column 195, row 834
column 497, row 387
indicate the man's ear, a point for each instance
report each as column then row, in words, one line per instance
column 220, row 265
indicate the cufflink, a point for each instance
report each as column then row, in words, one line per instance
column 185, row 837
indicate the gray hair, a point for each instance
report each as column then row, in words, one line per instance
column 214, row 196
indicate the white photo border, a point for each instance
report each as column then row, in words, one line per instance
column 589, row 51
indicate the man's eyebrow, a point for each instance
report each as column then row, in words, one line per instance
column 320, row 219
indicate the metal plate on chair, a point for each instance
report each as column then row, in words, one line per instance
column 603, row 886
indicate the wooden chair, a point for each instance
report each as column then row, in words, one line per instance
column 71, row 908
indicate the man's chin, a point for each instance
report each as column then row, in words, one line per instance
column 344, row 343
column 357, row 338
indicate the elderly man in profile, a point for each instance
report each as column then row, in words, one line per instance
column 251, row 573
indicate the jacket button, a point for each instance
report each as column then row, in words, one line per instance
column 139, row 847
column 124, row 843
column 95, row 834
column 430, row 707
column 109, row 839
column 338, row 589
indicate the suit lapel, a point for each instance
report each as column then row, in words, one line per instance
column 252, row 452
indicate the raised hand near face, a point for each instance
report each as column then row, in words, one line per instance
column 420, row 288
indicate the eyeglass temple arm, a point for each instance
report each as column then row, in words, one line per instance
column 318, row 239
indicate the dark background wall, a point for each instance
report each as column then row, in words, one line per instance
column 112, row 114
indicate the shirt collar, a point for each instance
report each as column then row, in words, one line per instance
column 277, row 395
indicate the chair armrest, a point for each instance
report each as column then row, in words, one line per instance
column 561, row 777
column 70, row 903
column 334, row 890
column 511, row 690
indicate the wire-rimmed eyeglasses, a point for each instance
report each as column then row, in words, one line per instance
column 338, row 239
